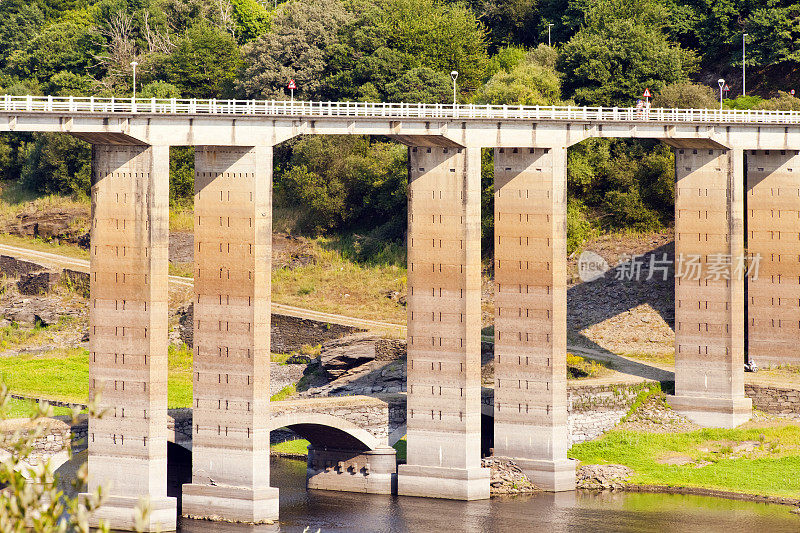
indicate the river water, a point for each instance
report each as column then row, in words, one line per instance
column 579, row 511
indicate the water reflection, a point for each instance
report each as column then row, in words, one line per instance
column 567, row 512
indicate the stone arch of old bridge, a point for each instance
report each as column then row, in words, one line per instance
column 233, row 185
column 342, row 455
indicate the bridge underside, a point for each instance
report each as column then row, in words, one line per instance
column 737, row 186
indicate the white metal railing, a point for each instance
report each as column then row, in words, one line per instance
column 92, row 105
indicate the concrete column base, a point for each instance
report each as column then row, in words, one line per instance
column 447, row 483
column 713, row 412
column 230, row 504
column 550, row 476
column 119, row 512
column 370, row 472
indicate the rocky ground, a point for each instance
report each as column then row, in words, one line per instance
column 655, row 416
column 603, row 477
column 507, row 477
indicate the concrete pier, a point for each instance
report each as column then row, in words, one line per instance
column 369, row 471
column 530, row 260
column 444, row 321
column 709, row 309
column 773, row 226
column 233, row 242
column 128, row 333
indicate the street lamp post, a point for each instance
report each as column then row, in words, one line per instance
column 721, row 83
column 549, row 41
column 454, row 75
column 133, row 100
column 744, row 86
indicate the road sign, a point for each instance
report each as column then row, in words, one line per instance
column 791, row 92
column 726, row 88
column 291, row 85
column 646, row 94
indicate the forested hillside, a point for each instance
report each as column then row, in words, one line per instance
column 604, row 52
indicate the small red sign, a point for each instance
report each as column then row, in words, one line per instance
column 647, row 94
column 791, row 92
column 726, row 88
column 292, row 85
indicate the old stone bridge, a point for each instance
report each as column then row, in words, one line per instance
column 724, row 160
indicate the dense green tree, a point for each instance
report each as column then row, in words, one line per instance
column 19, row 23
column 294, row 49
column 252, row 19
column 181, row 174
column 159, row 89
column 505, row 59
column 509, row 22
column 631, row 183
column 421, row 84
column 783, row 102
column 620, row 51
column 343, row 181
column 686, row 95
column 63, row 46
column 774, row 35
column 391, row 37
column 527, row 83
column 58, row 163
column 204, row 64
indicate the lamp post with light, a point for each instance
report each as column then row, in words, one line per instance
column 454, row 75
column 133, row 100
column 744, row 86
column 721, row 83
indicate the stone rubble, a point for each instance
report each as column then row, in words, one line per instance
column 507, row 477
column 603, row 477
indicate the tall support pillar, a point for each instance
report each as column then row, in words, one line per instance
column 773, row 227
column 233, row 232
column 709, row 308
column 530, row 383
column 128, row 333
column 444, row 322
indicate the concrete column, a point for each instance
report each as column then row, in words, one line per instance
column 444, row 321
column 709, row 309
column 773, row 230
column 128, row 333
column 530, row 350
column 233, row 232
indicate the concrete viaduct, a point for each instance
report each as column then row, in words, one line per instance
column 720, row 158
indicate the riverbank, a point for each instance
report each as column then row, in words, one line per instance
column 758, row 461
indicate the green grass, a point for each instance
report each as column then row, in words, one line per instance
column 772, row 469
column 59, row 375
column 582, row 367
column 296, row 447
column 180, row 377
column 64, row 375
column 16, row 408
column 184, row 270
column 69, row 250
column 300, row 447
column 401, row 446
column 280, row 357
column 284, row 393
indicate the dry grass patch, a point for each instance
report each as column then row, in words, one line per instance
column 181, row 217
column 333, row 284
